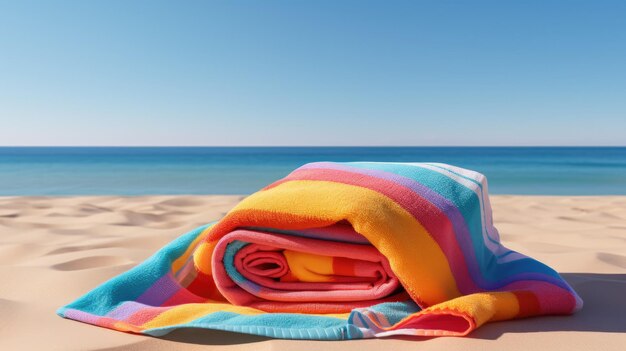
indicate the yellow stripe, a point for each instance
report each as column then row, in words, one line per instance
column 309, row 267
column 188, row 312
column 484, row 307
column 191, row 311
column 421, row 265
column 180, row 262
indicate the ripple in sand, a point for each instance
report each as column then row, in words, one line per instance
column 612, row 259
column 182, row 202
column 90, row 263
column 136, row 218
column 9, row 213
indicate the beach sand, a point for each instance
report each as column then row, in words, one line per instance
column 54, row 249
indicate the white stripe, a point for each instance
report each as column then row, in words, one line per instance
column 487, row 213
column 494, row 248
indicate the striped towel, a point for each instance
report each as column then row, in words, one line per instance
column 338, row 251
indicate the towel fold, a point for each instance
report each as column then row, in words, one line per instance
column 297, row 272
column 338, row 251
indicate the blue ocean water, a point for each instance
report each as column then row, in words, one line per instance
column 243, row 170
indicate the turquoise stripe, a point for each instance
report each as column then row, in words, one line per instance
column 482, row 196
column 396, row 311
column 231, row 270
column 143, row 276
column 275, row 325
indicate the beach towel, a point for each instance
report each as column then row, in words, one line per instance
column 338, row 251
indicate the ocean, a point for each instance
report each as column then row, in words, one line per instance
column 243, row 170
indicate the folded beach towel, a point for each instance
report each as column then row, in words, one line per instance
column 338, row 251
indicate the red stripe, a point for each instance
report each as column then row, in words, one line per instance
column 528, row 304
column 182, row 297
column 145, row 315
column 204, row 285
column 343, row 266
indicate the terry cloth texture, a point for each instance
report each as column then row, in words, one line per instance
column 338, row 251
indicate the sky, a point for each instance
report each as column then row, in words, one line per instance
column 332, row 73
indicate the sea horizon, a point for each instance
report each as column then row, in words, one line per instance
column 305, row 146
column 163, row 170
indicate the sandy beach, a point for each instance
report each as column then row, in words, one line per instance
column 54, row 249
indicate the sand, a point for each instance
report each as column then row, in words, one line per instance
column 54, row 249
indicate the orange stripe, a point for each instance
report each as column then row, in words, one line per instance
column 422, row 267
column 263, row 218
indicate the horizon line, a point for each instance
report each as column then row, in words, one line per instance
column 307, row 146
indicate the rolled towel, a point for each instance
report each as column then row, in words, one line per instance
column 338, row 251
column 298, row 272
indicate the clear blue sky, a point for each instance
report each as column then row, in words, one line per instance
column 313, row 73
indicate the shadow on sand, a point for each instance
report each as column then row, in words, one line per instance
column 604, row 311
